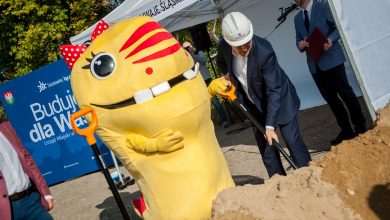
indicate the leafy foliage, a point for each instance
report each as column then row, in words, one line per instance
column 31, row 31
column 3, row 116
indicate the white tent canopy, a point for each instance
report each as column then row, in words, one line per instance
column 154, row 8
column 365, row 30
column 365, row 34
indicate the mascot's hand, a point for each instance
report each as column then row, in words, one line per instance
column 218, row 86
column 166, row 141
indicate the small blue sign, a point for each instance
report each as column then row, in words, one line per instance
column 39, row 105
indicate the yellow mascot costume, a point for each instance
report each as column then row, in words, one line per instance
column 154, row 114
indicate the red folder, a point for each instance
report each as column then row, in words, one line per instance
column 316, row 44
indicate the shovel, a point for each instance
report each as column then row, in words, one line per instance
column 88, row 133
column 230, row 95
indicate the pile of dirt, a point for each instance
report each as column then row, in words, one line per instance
column 352, row 181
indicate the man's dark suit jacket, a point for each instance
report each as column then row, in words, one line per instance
column 268, row 85
column 29, row 167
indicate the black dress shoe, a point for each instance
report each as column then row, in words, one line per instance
column 342, row 136
column 360, row 129
column 225, row 124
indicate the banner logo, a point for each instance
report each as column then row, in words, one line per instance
column 46, row 85
column 41, row 86
column 9, row 97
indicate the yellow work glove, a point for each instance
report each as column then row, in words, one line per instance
column 218, row 86
column 166, row 141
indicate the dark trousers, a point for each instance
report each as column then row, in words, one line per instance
column 333, row 85
column 221, row 112
column 29, row 207
column 291, row 135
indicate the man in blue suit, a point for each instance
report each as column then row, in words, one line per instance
column 263, row 88
column 329, row 71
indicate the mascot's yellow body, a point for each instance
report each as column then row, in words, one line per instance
column 166, row 140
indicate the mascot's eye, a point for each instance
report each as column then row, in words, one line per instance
column 102, row 65
column 87, row 43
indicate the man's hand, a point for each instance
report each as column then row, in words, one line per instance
column 328, row 44
column 271, row 134
column 50, row 203
column 303, row 44
column 218, row 86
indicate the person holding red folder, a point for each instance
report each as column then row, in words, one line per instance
column 317, row 35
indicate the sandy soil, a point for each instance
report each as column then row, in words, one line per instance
column 315, row 192
column 350, row 182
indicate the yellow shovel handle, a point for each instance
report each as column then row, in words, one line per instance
column 89, row 131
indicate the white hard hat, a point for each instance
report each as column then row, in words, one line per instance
column 237, row 29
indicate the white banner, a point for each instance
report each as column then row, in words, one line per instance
column 161, row 9
column 158, row 9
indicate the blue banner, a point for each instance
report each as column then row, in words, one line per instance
column 38, row 105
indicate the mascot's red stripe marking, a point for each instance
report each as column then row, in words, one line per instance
column 151, row 41
column 141, row 31
column 162, row 53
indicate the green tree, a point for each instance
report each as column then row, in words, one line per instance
column 31, row 31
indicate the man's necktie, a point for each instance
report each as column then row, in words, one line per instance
column 307, row 22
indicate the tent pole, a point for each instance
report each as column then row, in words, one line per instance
column 211, row 63
column 216, row 4
column 353, row 63
column 117, row 167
